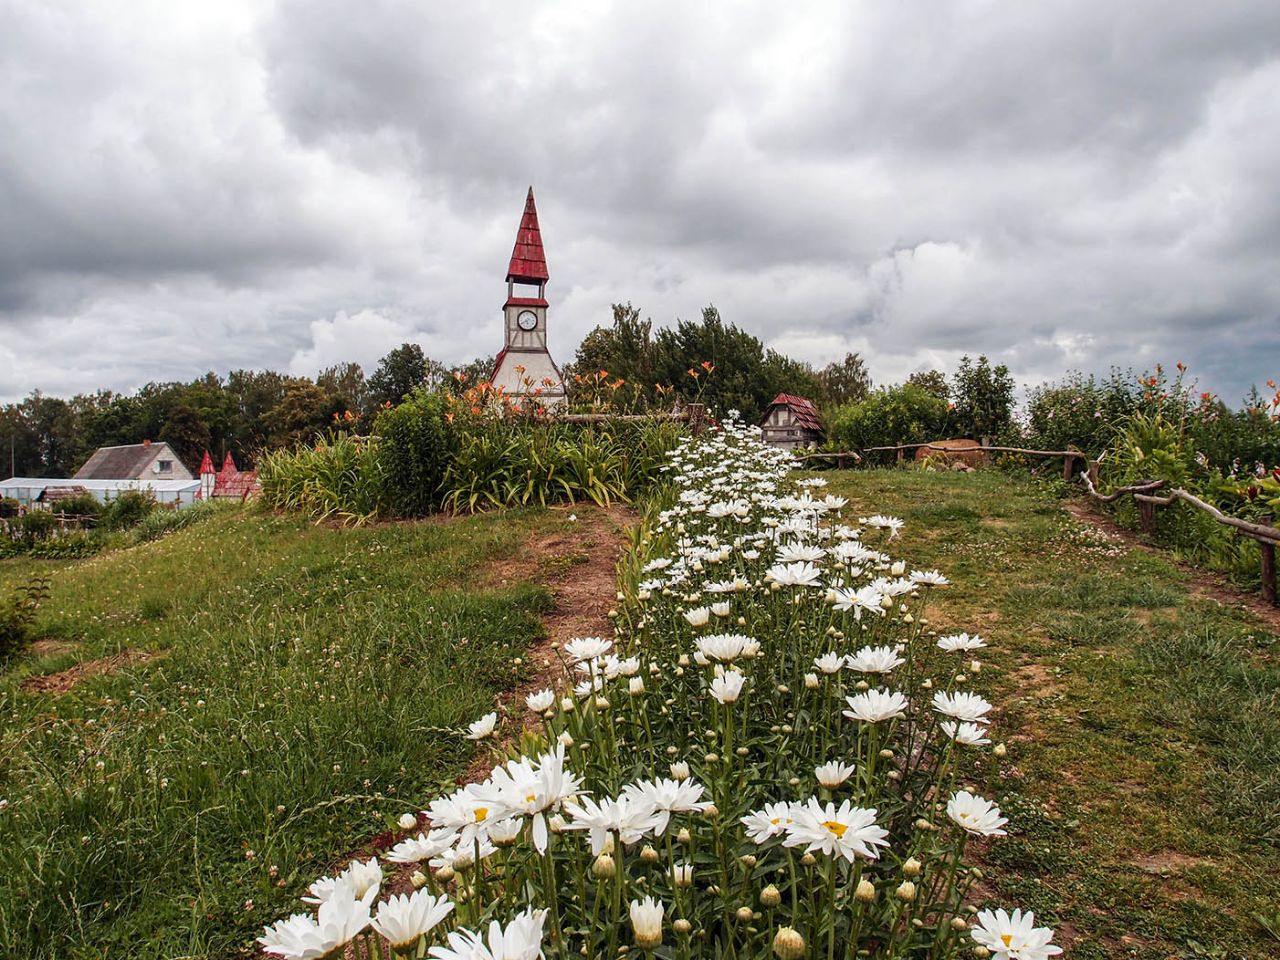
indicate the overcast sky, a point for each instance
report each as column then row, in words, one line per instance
column 196, row 186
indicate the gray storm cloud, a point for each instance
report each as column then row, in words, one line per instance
column 1058, row 185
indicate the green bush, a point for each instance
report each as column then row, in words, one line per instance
column 9, row 507
column 127, row 509
column 982, row 397
column 35, row 526
column 69, row 545
column 81, row 505
column 1080, row 412
column 415, row 445
column 17, row 614
column 890, row 415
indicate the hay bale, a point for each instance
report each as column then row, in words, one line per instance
column 967, row 453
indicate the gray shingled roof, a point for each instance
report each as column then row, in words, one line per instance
column 117, row 463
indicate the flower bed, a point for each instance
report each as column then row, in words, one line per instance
column 774, row 755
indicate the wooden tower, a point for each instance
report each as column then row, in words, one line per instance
column 524, row 367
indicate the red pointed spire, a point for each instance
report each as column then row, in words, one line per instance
column 528, row 262
column 206, row 465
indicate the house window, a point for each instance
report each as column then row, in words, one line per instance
column 166, row 466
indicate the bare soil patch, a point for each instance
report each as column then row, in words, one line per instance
column 64, row 680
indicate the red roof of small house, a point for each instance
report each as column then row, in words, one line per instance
column 206, row 465
column 805, row 413
column 528, row 261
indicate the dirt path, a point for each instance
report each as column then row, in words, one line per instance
column 1201, row 583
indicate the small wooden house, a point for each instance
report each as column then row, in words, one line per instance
column 791, row 422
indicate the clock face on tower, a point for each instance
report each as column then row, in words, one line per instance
column 527, row 320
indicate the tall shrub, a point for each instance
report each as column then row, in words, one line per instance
column 416, row 441
column 905, row 413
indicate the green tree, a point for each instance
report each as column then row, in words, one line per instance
column 845, row 381
column 187, row 431
column 346, row 387
column 302, row 413
column 983, row 399
column 933, row 382
column 398, row 373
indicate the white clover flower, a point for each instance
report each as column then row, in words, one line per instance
column 976, row 814
column 873, row 706
column 961, row 705
column 484, row 727
column 1013, row 937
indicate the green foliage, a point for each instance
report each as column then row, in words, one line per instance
column 158, row 523
column 889, row 415
column 1079, row 412
column 35, row 526
column 9, row 507
column 415, row 444
column 339, row 478
column 399, row 373
column 18, row 614
column 81, row 505
column 844, row 381
column 982, row 400
column 127, row 509
column 509, row 461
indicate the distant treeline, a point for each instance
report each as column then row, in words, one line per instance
column 249, row 412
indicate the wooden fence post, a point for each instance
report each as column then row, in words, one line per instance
column 1068, row 468
column 1093, row 473
column 1268, row 551
column 697, row 418
column 1147, row 516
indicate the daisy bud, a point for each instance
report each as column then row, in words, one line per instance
column 811, row 681
column 748, row 860
column 787, row 728
column 681, row 926
column 646, row 923
column 908, row 618
column 602, row 703
column 604, row 867
column 923, row 824
column 911, row 868
column 648, row 854
column 862, row 685
column 886, row 603
column 565, row 738
column 783, row 688
column 981, row 952
column 680, row 771
column 556, row 823
column 866, row 892
column 808, row 859
column 567, row 704
column 683, row 836
column 1000, row 750
column 635, row 686
column 742, row 621
column 418, row 879
column 906, row 891
column 407, row 821
column 621, row 596
column 926, row 684
column 711, row 811
column 445, row 874
column 886, row 754
column 770, row 896
column 612, row 614
column 975, row 666
column 788, row 944
column 899, row 568
column 744, row 914
column 682, row 875
column 742, row 751
column 958, row 924
column 961, row 678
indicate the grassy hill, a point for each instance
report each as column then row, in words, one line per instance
column 302, row 678
column 269, row 691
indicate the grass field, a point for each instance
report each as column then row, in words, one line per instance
column 1142, row 720
column 278, row 688
column 303, row 675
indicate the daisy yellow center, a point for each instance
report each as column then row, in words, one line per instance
column 1007, row 938
column 836, row 827
column 530, row 797
column 481, row 813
